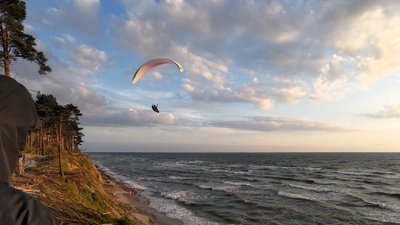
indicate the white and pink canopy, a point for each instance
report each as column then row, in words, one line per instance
column 150, row 65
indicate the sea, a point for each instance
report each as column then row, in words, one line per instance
column 263, row 188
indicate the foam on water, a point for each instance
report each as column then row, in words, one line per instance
column 272, row 167
column 177, row 178
column 173, row 210
column 230, row 183
column 257, row 188
column 181, row 196
column 217, row 187
column 378, row 203
column 135, row 185
column 316, row 189
column 123, row 179
column 297, row 196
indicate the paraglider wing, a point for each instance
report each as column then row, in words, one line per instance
column 150, row 65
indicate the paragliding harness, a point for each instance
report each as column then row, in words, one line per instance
column 155, row 108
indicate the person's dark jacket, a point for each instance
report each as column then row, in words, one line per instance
column 17, row 116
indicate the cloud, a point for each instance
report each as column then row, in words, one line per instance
column 87, row 6
column 87, row 57
column 388, row 112
column 64, row 89
column 74, row 15
column 326, row 90
column 226, row 95
column 332, row 44
column 62, row 40
column 369, row 41
column 270, row 124
column 261, row 94
column 122, row 117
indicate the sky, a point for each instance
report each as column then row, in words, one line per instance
column 270, row 76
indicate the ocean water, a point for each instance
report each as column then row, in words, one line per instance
column 264, row 188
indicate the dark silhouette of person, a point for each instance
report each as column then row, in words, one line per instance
column 155, row 108
column 17, row 116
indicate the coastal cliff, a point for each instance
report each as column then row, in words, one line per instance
column 84, row 196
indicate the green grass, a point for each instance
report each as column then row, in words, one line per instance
column 80, row 197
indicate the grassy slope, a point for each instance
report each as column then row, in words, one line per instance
column 79, row 199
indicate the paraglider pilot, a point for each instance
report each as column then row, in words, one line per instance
column 155, row 108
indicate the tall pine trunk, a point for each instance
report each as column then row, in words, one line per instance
column 6, row 51
column 7, row 64
column 60, row 147
column 72, row 144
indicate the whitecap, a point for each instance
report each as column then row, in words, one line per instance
column 135, row 185
column 239, row 183
column 181, row 196
column 177, row 178
column 175, row 211
column 122, row 179
column 296, row 196
column 316, row 189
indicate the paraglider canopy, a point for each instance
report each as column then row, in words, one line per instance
column 150, row 65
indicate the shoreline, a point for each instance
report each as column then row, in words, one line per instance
column 133, row 203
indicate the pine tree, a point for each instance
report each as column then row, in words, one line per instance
column 60, row 126
column 73, row 131
column 14, row 41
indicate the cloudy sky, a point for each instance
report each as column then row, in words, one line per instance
column 258, row 75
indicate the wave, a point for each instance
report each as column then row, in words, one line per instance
column 360, row 180
column 379, row 219
column 194, row 162
column 355, row 200
column 105, row 169
column 242, row 172
column 179, row 178
column 321, row 182
column 216, row 187
column 135, row 185
column 178, row 164
column 181, row 196
column 382, row 205
column 188, row 189
column 220, row 171
column 239, row 184
column 369, row 173
column 389, row 194
column 270, row 167
column 308, row 181
column 232, row 191
column 120, row 178
column 191, row 198
column 173, row 210
column 350, row 200
column 297, row 196
column 355, row 173
column 315, row 189
column 229, row 187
